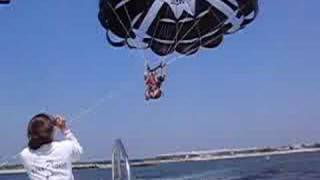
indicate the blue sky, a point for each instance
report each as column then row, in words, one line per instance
column 260, row 88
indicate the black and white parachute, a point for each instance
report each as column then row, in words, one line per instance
column 174, row 26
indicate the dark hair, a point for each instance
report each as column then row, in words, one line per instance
column 40, row 131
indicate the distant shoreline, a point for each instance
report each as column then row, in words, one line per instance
column 183, row 157
column 223, row 157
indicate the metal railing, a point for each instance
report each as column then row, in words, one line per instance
column 120, row 162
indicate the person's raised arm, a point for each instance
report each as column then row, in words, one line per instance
column 75, row 148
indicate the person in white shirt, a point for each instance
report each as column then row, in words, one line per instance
column 45, row 158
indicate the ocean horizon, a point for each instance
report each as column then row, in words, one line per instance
column 285, row 167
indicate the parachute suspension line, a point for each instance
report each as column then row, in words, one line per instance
column 153, row 36
column 130, row 19
column 91, row 108
column 193, row 26
column 6, row 160
column 199, row 39
column 199, row 35
column 156, row 29
column 175, row 43
column 190, row 49
column 176, row 36
column 122, row 24
column 212, row 40
column 171, row 48
column 162, row 58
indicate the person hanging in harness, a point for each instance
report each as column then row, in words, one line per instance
column 154, row 79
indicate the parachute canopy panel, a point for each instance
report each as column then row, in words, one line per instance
column 4, row 1
column 168, row 26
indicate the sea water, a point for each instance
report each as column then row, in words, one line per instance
column 303, row 166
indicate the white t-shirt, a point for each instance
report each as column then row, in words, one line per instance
column 52, row 161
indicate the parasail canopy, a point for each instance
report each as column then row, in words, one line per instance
column 168, row 26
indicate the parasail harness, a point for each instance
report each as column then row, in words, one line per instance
column 154, row 77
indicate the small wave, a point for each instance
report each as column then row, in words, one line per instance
column 266, row 174
column 209, row 175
